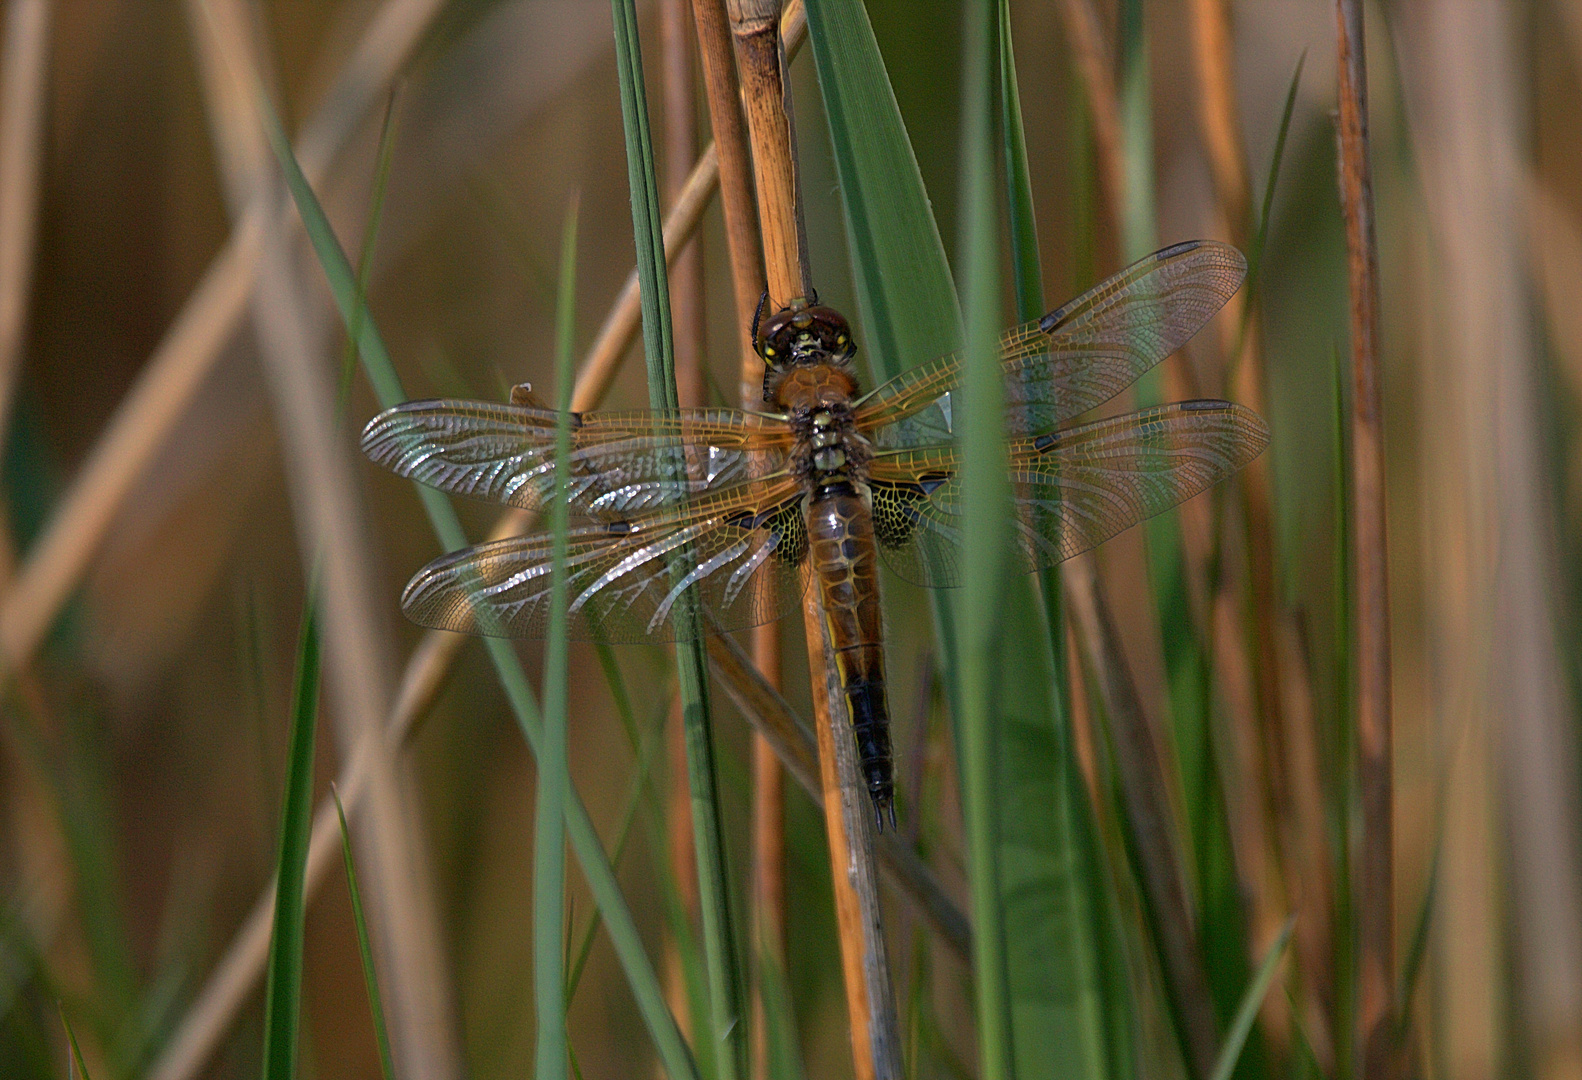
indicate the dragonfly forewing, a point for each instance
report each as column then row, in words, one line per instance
column 621, row 464
column 1081, row 354
column 1071, row 489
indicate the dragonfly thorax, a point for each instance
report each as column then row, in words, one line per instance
column 828, row 446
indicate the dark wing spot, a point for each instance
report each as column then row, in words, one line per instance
column 896, row 507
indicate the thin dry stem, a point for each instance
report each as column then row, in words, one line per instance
column 335, row 543
column 1374, row 875
column 755, row 28
column 24, row 67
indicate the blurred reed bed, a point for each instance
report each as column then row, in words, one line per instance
column 174, row 466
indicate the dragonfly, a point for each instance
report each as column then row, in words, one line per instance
column 732, row 513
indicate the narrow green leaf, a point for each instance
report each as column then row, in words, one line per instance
column 585, row 842
column 282, row 998
column 549, row 833
column 364, row 945
column 1052, row 882
column 726, row 1028
column 1251, row 1001
column 906, row 297
column 986, row 533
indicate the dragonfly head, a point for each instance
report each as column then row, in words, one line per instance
column 802, row 332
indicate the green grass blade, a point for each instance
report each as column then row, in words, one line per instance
column 76, row 1051
column 1247, row 1011
column 1056, row 986
column 595, row 864
column 727, row 1027
column 282, row 998
column 1417, row 949
column 364, row 946
column 986, row 531
column 549, row 832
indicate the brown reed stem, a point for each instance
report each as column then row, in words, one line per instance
column 870, row 1000
column 1373, row 877
column 335, row 545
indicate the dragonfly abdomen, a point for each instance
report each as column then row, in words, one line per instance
column 846, row 562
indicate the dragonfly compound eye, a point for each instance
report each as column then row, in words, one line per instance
column 805, row 332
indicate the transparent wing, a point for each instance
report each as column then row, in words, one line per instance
column 740, row 558
column 1072, row 490
column 1078, row 356
column 621, row 463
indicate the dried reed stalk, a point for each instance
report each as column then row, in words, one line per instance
column 1548, row 900
column 191, row 346
column 1511, row 847
column 1373, row 877
column 24, row 92
column 870, row 999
